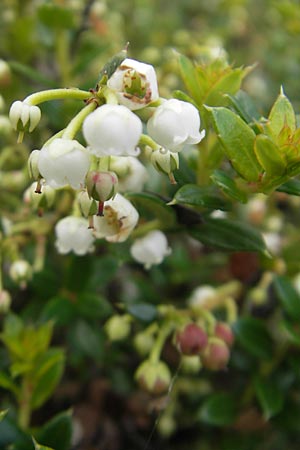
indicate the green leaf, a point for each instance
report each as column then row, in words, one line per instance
column 87, row 339
column 55, row 16
column 59, row 309
column 112, row 65
column 238, row 140
column 40, row 447
column 282, row 114
column 253, row 336
column 143, row 311
column 288, row 296
column 228, row 186
column 219, row 409
column 244, row 106
column 57, row 432
column 229, row 235
column 291, row 187
column 3, row 414
column 190, row 78
column 204, row 197
column 7, row 383
column 269, row 395
column 154, row 207
column 93, row 306
column 47, row 375
column 269, row 156
column 291, row 332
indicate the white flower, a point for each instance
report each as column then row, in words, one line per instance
column 73, row 235
column 273, row 242
column 20, row 271
column 120, row 218
column 135, row 84
column 174, row 124
column 150, row 249
column 64, row 162
column 24, row 117
column 131, row 172
column 202, row 297
column 112, row 130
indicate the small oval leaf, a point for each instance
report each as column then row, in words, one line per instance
column 204, row 197
column 252, row 334
column 269, row 395
column 269, row 156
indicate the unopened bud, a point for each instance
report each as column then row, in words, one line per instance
column 143, row 343
column 191, row 340
column 87, row 205
column 24, row 117
column 20, row 271
column 154, row 377
column 101, row 186
column 223, row 331
column 190, row 364
column 164, row 161
column 5, row 301
column 216, row 355
column 33, row 168
column 118, row 327
column 5, row 73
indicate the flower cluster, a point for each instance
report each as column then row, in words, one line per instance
column 107, row 162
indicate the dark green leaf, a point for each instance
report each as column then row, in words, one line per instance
column 47, row 375
column 154, row 206
column 59, row 309
column 269, row 156
column 291, row 187
column 252, row 334
column 292, row 334
column 56, row 16
column 244, row 106
column 93, row 306
column 3, row 414
column 204, row 197
column 238, row 142
column 218, row 409
column 87, row 339
column 269, row 395
column 229, row 235
column 57, row 432
column 40, row 447
column 112, row 65
column 143, row 311
column 228, row 186
column 288, row 296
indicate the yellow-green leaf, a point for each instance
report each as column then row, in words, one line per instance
column 269, row 156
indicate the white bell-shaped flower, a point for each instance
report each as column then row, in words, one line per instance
column 64, row 162
column 73, row 235
column 112, row 130
column 135, row 84
column 131, row 172
column 150, row 249
column 119, row 219
column 24, row 117
column 174, row 124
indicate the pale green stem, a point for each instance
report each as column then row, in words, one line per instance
column 76, row 123
column 231, row 310
column 164, row 332
column 209, row 319
column 104, row 163
column 57, row 94
column 146, row 140
column 109, row 95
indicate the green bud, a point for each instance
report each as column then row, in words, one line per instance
column 154, row 377
column 143, row 343
column 5, row 301
column 33, row 168
column 101, row 186
column 118, row 327
column 164, row 161
column 20, row 271
column 87, row 205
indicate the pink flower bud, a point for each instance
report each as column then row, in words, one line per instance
column 216, row 355
column 191, row 340
column 101, row 186
column 224, row 332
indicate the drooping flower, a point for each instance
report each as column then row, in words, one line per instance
column 73, row 235
column 135, row 84
column 174, row 124
column 131, row 172
column 64, row 162
column 112, row 130
column 119, row 219
column 24, row 117
column 150, row 249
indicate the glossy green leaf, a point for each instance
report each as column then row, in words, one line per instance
column 37, row 446
column 219, row 409
column 288, row 296
column 228, row 186
column 204, row 197
column 269, row 395
column 291, row 187
column 190, row 78
column 143, row 311
column 282, row 114
column 238, row 141
column 229, row 235
column 244, row 106
column 57, row 432
column 269, row 156
column 153, row 206
column 47, row 375
column 254, row 337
